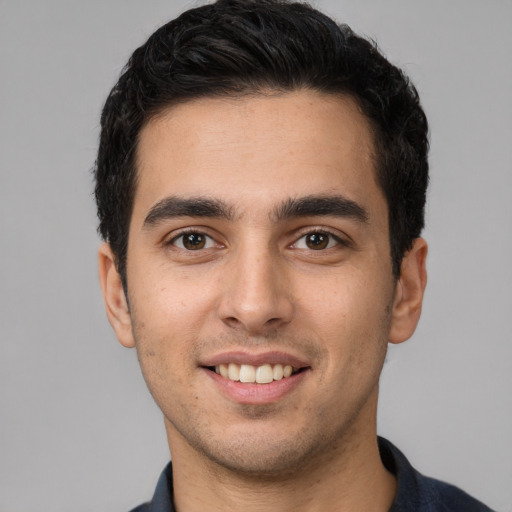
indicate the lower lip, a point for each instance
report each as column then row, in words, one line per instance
column 253, row 394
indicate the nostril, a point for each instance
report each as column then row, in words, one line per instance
column 232, row 321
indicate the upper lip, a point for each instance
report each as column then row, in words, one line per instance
column 243, row 357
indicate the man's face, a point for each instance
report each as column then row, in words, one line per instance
column 259, row 241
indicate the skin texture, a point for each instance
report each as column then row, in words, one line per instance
column 256, row 287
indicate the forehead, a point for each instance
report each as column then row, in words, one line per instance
column 253, row 151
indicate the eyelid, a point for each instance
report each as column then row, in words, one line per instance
column 341, row 238
column 170, row 240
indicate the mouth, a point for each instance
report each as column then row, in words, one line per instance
column 256, row 379
column 251, row 374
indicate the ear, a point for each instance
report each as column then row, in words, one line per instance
column 409, row 293
column 116, row 304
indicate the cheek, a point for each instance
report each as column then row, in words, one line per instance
column 169, row 312
column 350, row 300
column 352, row 316
column 168, row 299
column 163, row 355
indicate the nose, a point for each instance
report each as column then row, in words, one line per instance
column 256, row 295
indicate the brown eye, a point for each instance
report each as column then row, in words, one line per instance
column 193, row 241
column 317, row 241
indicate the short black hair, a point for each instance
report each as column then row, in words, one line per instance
column 239, row 47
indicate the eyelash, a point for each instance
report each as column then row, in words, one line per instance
column 184, row 233
column 322, row 231
column 315, row 231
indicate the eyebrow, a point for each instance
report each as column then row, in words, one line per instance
column 321, row 205
column 308, row 206
column 173, row 206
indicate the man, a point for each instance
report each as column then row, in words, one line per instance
column 261, row 183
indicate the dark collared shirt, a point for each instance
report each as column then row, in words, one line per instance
column 415, row 492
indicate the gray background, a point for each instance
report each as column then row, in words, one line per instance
column 78, row 429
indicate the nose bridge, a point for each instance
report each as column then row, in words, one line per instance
column 257, row 296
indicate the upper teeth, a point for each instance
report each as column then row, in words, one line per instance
column 248, row 373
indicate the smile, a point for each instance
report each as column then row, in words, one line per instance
column 250, row 374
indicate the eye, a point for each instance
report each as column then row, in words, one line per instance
column 317, row 241
column 193, row 241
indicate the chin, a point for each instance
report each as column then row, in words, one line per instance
column 257, row 461
column 263, row 455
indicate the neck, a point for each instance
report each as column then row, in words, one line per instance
column 351, row 477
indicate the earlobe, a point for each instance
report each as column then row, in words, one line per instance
column 116, row 304
column 409, row 293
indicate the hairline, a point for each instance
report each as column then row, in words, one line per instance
column 375, row 144
column 374, row 147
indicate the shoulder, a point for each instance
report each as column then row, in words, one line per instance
column 443, row 497
column 420, row 493
column 162, row 498
column 141, row 508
